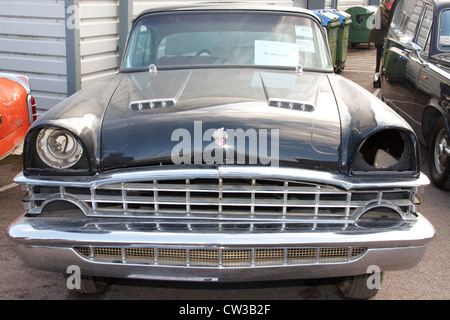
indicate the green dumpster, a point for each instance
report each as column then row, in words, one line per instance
column 362, row 22
column 342, row 40
column 331, row 23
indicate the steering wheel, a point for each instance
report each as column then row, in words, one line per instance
column 203, row 51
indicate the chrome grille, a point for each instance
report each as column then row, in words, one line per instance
column 220, row 257
column 236, row 204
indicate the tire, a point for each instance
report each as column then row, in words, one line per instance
column 438, row 159
column 356, row 287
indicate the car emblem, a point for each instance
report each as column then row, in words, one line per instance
column 220, row 137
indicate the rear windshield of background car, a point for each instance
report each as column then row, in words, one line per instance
column 226, row 39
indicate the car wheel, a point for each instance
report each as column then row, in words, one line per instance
column 356, row 287
column 438, row 159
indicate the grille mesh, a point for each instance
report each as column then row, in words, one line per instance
column 220, row 257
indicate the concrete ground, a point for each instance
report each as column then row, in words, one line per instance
column 360, row 67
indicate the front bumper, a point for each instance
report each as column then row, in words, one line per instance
column 101, row 247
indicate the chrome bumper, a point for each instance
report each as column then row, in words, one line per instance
column 43, row 246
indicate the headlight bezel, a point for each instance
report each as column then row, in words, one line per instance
column 400, row 144
column 34, row 164
column 58, row 148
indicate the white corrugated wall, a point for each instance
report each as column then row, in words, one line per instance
column 99, row 39
column 141, row 5
column 32, row 42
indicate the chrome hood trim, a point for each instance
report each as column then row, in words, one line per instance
column 175, row 172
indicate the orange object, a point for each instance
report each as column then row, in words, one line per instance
column 17, row 111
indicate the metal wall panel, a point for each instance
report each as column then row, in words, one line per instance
column 141, row 5
column 32, row 42
column 99, row 39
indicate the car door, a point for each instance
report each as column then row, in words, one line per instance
column 428, row 79
column 400, row 68
column 407, row 97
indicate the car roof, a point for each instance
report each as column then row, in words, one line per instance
column 228, row 6
column 439, row 3
column 442, row 3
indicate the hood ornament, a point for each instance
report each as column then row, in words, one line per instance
column 220, row 137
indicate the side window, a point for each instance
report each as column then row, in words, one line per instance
column 406, row 19
column 139, row 53
column 424, row 29
column 444, row 31
column 143, row 46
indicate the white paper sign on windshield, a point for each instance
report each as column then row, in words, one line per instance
column 303, row 31
column 276, row 53
column 306, row 45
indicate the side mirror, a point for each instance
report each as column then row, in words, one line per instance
column 414, row 47
column 418, row 50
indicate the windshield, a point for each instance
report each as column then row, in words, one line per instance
column 226, row 39
column 444, row 31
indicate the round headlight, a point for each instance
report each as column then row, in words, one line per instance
column 58, row 148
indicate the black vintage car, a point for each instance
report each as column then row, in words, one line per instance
column 225, row 149
column 416, row 76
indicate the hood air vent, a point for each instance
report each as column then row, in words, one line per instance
column 151, row 104
column 292, row 105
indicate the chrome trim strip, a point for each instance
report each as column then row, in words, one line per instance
column 247, row 172
column 111, row 232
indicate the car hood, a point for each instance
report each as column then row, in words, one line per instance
column 273, row 118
